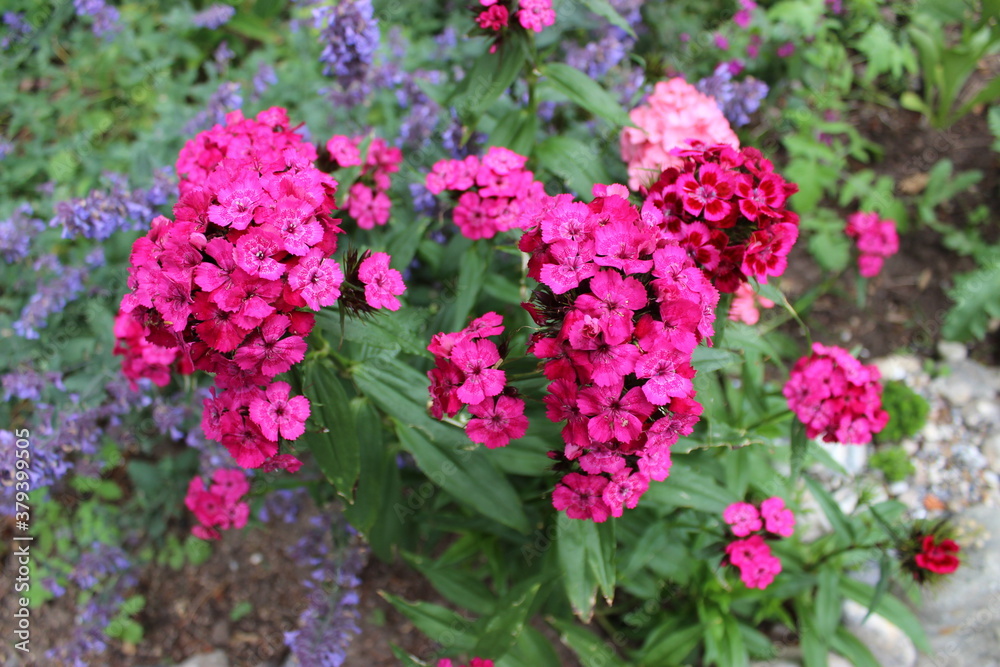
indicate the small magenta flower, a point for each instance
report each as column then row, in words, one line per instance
column 277, row 413
column 743, row 518
column 382, row 284
column 777, row 518
column 495, row 424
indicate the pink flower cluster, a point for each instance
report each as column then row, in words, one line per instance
column 143, row 359
column 728, row 209
column 621, row 308
column 367, row 199
column 466, row 373
column 675, row 115
column 744, row 307
column 495, row 191
column 836, row 396
column 876, row 239
column 222, row 285
column 218, row 507
column 474, row 662
column 752, row 555
column 533, row 15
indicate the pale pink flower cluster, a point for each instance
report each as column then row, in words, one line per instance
column 675, row 114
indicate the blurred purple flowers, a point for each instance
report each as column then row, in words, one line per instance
column 736, row 99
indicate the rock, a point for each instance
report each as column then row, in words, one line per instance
column 213, row 659
column 834, row 660
column 890, row 645
column 899, row 488
column 952, row 352
column 969, row 456
column 991, row 450
column 962, row 614
column 898, row 367
column 853, row 458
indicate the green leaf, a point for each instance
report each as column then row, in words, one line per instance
column 405, row 658
column 734, row 653
column 841, row 525
column 688, row 488
column 579, row 578
column 668, row 644
column 466, row 474
column 812, row 642
column 531, row 650
column 708, row 359
column 455, row 585
column 335, row 443
column 604, row 9
column 585, row 92
column 370, row 494
column 884, row 578
column 589, row 648
column 889, row 607
column 489, row 76
column 849, row 646
column 831, row 249
column 253, row 28
column 578, row 164
column 500, row 631
column 443, row 452
column 828, row 601
column 601, row 558
column 516, row 131
column 441, row 625
column 800, row 445
column 977, row 301
column 472, row 270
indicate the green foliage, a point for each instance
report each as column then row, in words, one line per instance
column 946, row 68
column 907, row 412
column 894, row 463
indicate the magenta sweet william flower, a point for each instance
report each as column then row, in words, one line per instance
column 777, row 518
column 836, row 396
column 876, row 240
column 277, row 413
column 753, row 557
column 624, row 490
column 464, row 375
column 218, row 507
column 582, row 497
column 494, row 194
column 743, row 518
column 219, row 288
column 497, row 422
column 475, row 359
column 493, row 18
column 535, row 15
column 382, row 284
column 317, row 280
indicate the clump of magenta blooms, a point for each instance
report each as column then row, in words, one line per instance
column 569, row 241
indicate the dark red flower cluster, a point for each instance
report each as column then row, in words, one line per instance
column 727, row 209
column 938, row 556
column 621, row 308
column 222, row 285
column 143, row 359
column 367, row 199
column 220, row 506
column 496, row 190
column 466, row 373
column 836, row 396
